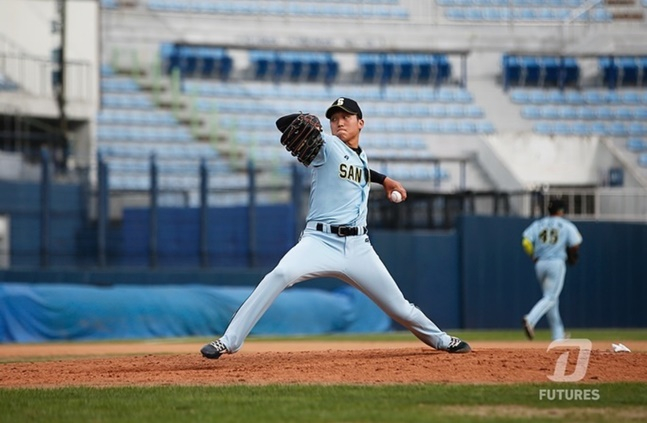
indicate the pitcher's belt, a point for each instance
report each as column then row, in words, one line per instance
column 339, row 230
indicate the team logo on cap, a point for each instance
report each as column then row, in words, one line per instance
column 340, row 101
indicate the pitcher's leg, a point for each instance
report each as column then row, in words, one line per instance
column 308, row 259
column 553, row 316
column 371, row 277
column 250, row 312
column 551, row 274
column 539, row 309
column 555, row 322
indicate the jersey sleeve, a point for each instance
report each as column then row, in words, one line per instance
column 574, row 236
column 320, row 158
column 529, row 232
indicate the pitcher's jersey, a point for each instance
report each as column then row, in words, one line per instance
column 551, row 235
column 335, row 168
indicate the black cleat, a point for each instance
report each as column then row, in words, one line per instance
column 457, row 346
column 214, row 349
column 530, row 332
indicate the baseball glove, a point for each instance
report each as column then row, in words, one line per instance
column 302, row 137
column 572, row 254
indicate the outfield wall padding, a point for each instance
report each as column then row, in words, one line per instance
column 48, row 312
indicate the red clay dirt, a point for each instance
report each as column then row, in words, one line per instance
column 304, row 362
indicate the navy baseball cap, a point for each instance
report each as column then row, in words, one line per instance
column 346, row 104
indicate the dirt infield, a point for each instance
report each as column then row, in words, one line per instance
column 306, row 362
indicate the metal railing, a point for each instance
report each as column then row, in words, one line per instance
column 35, row 76
column 604, row 203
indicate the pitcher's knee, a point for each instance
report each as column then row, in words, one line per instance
column 551, row 300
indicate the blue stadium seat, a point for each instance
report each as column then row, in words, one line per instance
column 636, row 145
column 605, row 113
column 642, row 160
column 631, row 98
column 580, row 129
column 573, row 97
column 543, row 128
column 598, row 128
column 467, row 127
column 629, row 70
column 519, row 96
column 636, row 129
column 567, row 113
column 624, row 113
column 537, row 96
column 386, row 68
column 455, row 110
column 432, row 126
column 261, row 62
column 587, row 113
column 473, row 111
column 531, row 112
column 640, row 114
column 456, row 13
column 331, row 70
column 563, row 128
column 109, row 4
column 617, row 129
column 446, row 95
column 313, row 65
column 485, row 127
column 572, row 70
column 531, row 69
column 423, row 66
column 405, row 67
column 368, row 64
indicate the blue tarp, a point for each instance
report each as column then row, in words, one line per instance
column 53, row 312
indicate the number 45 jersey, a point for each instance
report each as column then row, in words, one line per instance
column 550, row 236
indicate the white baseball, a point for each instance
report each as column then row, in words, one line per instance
column 396, row 197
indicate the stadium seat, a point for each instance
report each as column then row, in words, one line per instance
column 543, row 128
column 485, row 127
column 605, row 113
column 624, row 113
column 636, row 145
column 549, row 112
column 520, row 96
column 587, row 113
column 567, row 113
column 580, row 129
column 636, row 129
column 640, row 114
column 642, row 160
column 631, row 98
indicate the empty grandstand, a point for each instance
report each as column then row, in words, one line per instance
column 464, row 101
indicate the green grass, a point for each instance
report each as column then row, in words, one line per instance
column 616, row 335
column 402, row 404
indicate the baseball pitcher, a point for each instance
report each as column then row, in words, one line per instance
column 335, row 240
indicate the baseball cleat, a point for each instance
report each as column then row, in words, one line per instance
column 214, row 349
column 457, row 345
column 530, row 332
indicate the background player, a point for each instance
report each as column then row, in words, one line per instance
column 551, row 242
column 334, row 242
